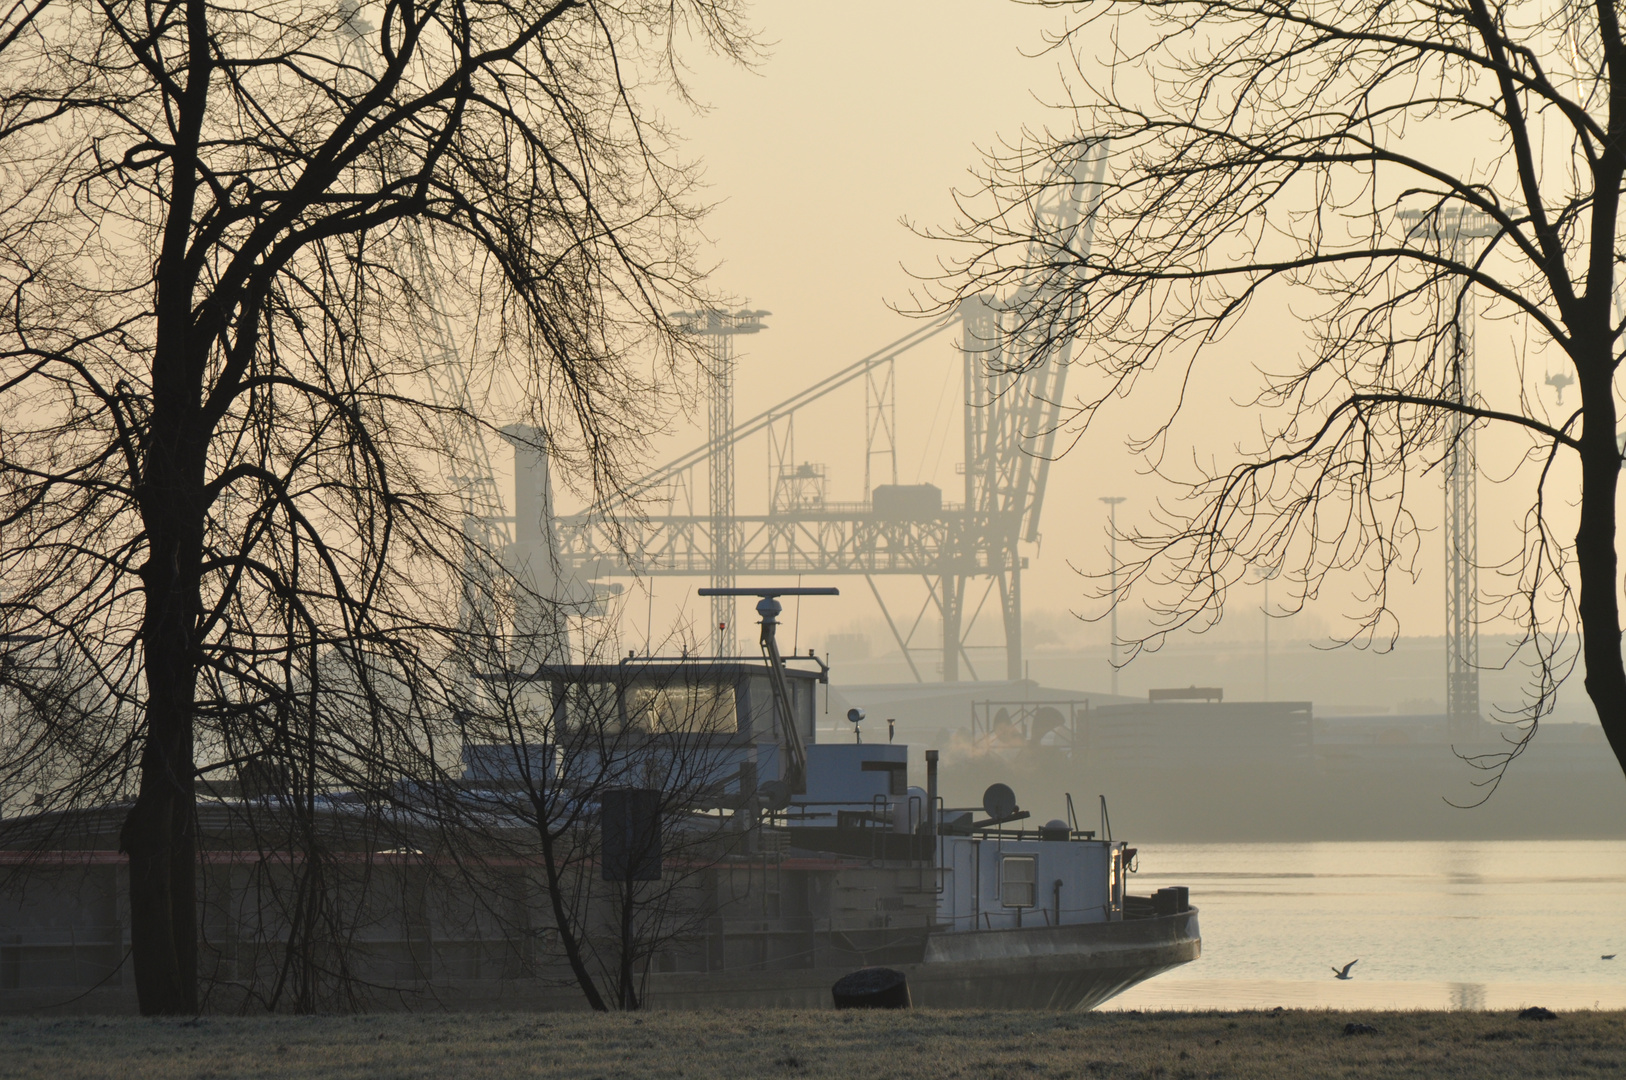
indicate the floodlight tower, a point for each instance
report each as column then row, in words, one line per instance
column 1457, row 231
column 719, row 329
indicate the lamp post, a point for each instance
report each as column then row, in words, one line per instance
column 1112, row 502
column 1264, row 574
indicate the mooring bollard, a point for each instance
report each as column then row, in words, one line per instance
column 872, row 988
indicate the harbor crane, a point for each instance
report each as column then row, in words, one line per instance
column 1012, row 412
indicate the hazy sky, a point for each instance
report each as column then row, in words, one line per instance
column 863, row 114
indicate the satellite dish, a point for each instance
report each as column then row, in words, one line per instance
column 775, row 795
column 855, row 716
column 999, row 801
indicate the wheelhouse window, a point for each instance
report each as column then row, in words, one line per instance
column 897, row 775
column 762, row 710
column 674, row 707
column 1018, row 875
column 702, row 708
column 586, row 706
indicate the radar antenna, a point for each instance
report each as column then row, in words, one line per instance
column 793, row 766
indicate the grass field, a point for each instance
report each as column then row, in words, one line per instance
column 851, row 1046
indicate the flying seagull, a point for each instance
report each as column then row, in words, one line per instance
column 1344, row 974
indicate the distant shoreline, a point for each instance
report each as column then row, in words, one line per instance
column 1366, row 800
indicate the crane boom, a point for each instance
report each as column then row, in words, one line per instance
column 761, row 420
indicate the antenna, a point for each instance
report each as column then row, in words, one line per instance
column 999, row 802
column 794, row 771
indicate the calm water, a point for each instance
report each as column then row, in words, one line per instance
column 1488, row 924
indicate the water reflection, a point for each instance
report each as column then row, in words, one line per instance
column 1468, row 997
column 1435, row 925
column 1173, row 992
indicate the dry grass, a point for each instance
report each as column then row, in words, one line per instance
column 851, row 1046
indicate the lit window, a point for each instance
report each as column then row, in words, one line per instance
column 682, row 708
column 1017, row 876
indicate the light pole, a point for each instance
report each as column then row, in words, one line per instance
column 719, row 328
column 1112, row 502
column 1265, row 573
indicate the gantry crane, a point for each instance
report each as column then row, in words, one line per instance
column 1012, row 411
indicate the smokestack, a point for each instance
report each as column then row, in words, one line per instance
column 539, row 624
column 533, row 487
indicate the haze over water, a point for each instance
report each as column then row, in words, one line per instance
column 1474, row 925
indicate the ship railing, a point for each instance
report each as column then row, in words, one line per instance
column 1005, row 920
column 878, row 817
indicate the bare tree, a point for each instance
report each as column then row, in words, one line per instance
column 630, row 784
column 1377, row 170
column 217, row 489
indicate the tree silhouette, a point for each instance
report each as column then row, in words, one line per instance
column 1376, row 171
column 218, row 493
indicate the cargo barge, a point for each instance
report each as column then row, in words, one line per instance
column 814, row 860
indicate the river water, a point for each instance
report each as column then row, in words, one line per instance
column 1471, row 925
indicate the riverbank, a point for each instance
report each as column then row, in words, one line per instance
column 903, row 1045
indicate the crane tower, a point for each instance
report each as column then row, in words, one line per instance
column 1015, row 375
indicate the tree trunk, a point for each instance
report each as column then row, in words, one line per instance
column 1595, row 555
column 160, row 839
column 562, row 921
column 159, row 834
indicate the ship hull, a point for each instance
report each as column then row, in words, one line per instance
column 1056, row 968
column 1061, row 968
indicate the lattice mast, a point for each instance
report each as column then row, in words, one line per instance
column 1462, row 707
column 1458, row 231
column 719, row 328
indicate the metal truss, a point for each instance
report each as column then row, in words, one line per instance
column 1458, row 231
column 1012, row 411
column 719, row 328
column 797, row 543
